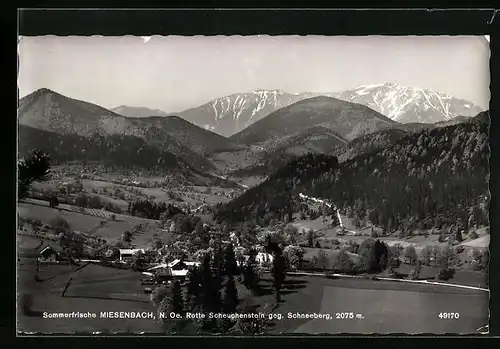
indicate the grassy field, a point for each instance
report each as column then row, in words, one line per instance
column 461, row 276
column 113, row 230
column 110, row 231
column 76, row 221
column 395, row 308
column 92, row 289
column 481, row 242
column 387, row 307
column 310, row 253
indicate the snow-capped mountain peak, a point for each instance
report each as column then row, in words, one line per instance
column 230, row 114
column 410, row 104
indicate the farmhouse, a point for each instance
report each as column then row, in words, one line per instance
column 127, row 254
column 50, row 253
column 177, row 269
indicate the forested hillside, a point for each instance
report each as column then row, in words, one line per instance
column 120, row 151
column 435, row 178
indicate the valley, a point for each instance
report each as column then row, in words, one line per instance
column 327, row 183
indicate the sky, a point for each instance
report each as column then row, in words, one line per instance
column 174, row 73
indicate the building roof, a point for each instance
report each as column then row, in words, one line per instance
column 182, row 272
column 173, row 263
column 131, row 251
column 192, row 263
column 177, row 261
column 43, row 247
column 159, row 266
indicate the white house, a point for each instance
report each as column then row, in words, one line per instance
column 127, row 254
column 263, row 257
column 260, row 258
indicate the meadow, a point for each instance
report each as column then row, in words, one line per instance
column 92, row 289
column 96, row 223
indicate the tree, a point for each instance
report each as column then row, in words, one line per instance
column 33, row 168
column 446, row 273
column 394, row 263
column 444, row 257
column 396, row 250
column 353, row 247
column 310, row 238
column 279, row 273
column 53, row 201
column 217, row 265
column 193, row 288
column 249, row 275
column 138, row 261
column 158, row 294
column 321, row 260
column 411, row 254
column 374, row 254
column 59, row 225
column 473, row 235
column 317, row 244
column 71, row 243
column 426, row 255
column 127, row 237
column 230, row 264
column 343, row 263
column 355, row 221
column 230, row 302
column 177, row 300
column 415, row 273
column 480, row 259
column 294, row 255
column 210, row 296
column 441, row 237
column 171, row 302
column 290, row 233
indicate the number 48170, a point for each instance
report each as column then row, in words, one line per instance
column 449, row 316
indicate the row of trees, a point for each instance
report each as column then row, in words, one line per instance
column 147, row 209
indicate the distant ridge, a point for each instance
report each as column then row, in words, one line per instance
column 231, row 114
column 138, row 112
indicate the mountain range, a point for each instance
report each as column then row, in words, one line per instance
column 231, row 114
column 50, row 111
column 317, row 124
column 408, row 104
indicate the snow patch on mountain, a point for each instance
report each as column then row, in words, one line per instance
column 407, row 104
column 231, row 114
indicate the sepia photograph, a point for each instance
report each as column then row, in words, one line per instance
column 253, row 185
